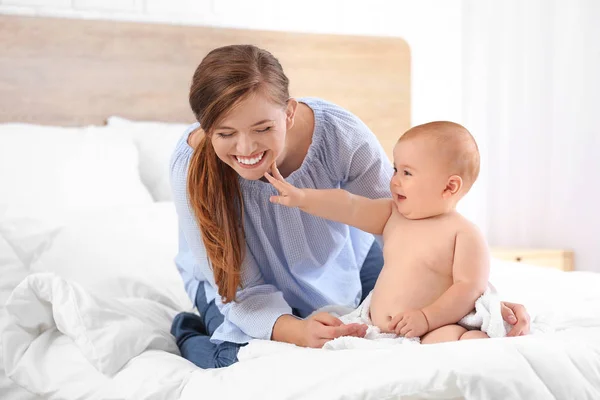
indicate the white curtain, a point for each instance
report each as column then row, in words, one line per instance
column 531, row 96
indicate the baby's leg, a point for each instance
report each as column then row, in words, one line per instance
column 451, row 333
column 446, row 333
column 476, row 334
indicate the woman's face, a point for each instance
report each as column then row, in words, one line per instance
column 252, row 135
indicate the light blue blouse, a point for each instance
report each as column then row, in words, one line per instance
column 293, row 259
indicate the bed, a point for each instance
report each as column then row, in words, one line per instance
column 89, row 113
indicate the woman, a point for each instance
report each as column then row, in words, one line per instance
column 255, row 270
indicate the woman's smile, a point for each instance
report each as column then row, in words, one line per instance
column 251, row 161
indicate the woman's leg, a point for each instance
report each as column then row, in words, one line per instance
column 370, row 269
column 210, row 314
column 192, row 334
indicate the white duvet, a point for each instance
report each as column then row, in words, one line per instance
column 66, row 343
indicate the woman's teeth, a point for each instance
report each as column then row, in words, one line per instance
column 250, row 160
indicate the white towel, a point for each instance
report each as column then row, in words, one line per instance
column 487, row 317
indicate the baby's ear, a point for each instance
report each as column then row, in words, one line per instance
column 453, row 186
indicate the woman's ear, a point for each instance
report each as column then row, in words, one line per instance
column 290, row 113
column 453, row 186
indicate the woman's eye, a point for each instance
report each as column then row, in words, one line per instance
column 225, row 135
column 268, row 128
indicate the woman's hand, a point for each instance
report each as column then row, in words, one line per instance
column 289, row 195
column 516, row 315
column 323, row 327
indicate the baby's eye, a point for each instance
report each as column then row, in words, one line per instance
column 406, row 173
column 395, row 171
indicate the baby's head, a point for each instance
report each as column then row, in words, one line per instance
column 435, row 165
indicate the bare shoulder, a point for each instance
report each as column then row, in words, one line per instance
column 195, row 137
column 463, row 224
column 467, row 229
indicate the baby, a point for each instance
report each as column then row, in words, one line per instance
column 436, row 262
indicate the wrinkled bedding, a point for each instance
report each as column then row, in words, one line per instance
column 65, row 342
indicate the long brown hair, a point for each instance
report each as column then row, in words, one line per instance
column 226, row 76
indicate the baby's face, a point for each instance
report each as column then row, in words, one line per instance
column 419, row 180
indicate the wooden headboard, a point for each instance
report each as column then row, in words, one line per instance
column 74, row 72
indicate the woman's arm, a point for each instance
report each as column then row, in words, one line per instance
column 314, row 331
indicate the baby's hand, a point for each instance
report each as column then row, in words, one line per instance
column 289, row 195
column 410, row 324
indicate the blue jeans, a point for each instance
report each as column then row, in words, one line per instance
column 192, row 332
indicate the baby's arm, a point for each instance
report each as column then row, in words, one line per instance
column 470, row 273
column 333, row 204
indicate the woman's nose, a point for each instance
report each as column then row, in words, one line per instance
column 245, row 145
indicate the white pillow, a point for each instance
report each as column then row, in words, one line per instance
column 48, row 174
column 155, row 142
column 122, row 252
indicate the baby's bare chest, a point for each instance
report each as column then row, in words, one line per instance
column 417, row 244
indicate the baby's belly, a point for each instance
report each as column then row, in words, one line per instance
column 398, row 290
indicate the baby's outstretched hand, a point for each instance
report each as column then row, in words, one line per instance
column 409, row 324
column 289, row 195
